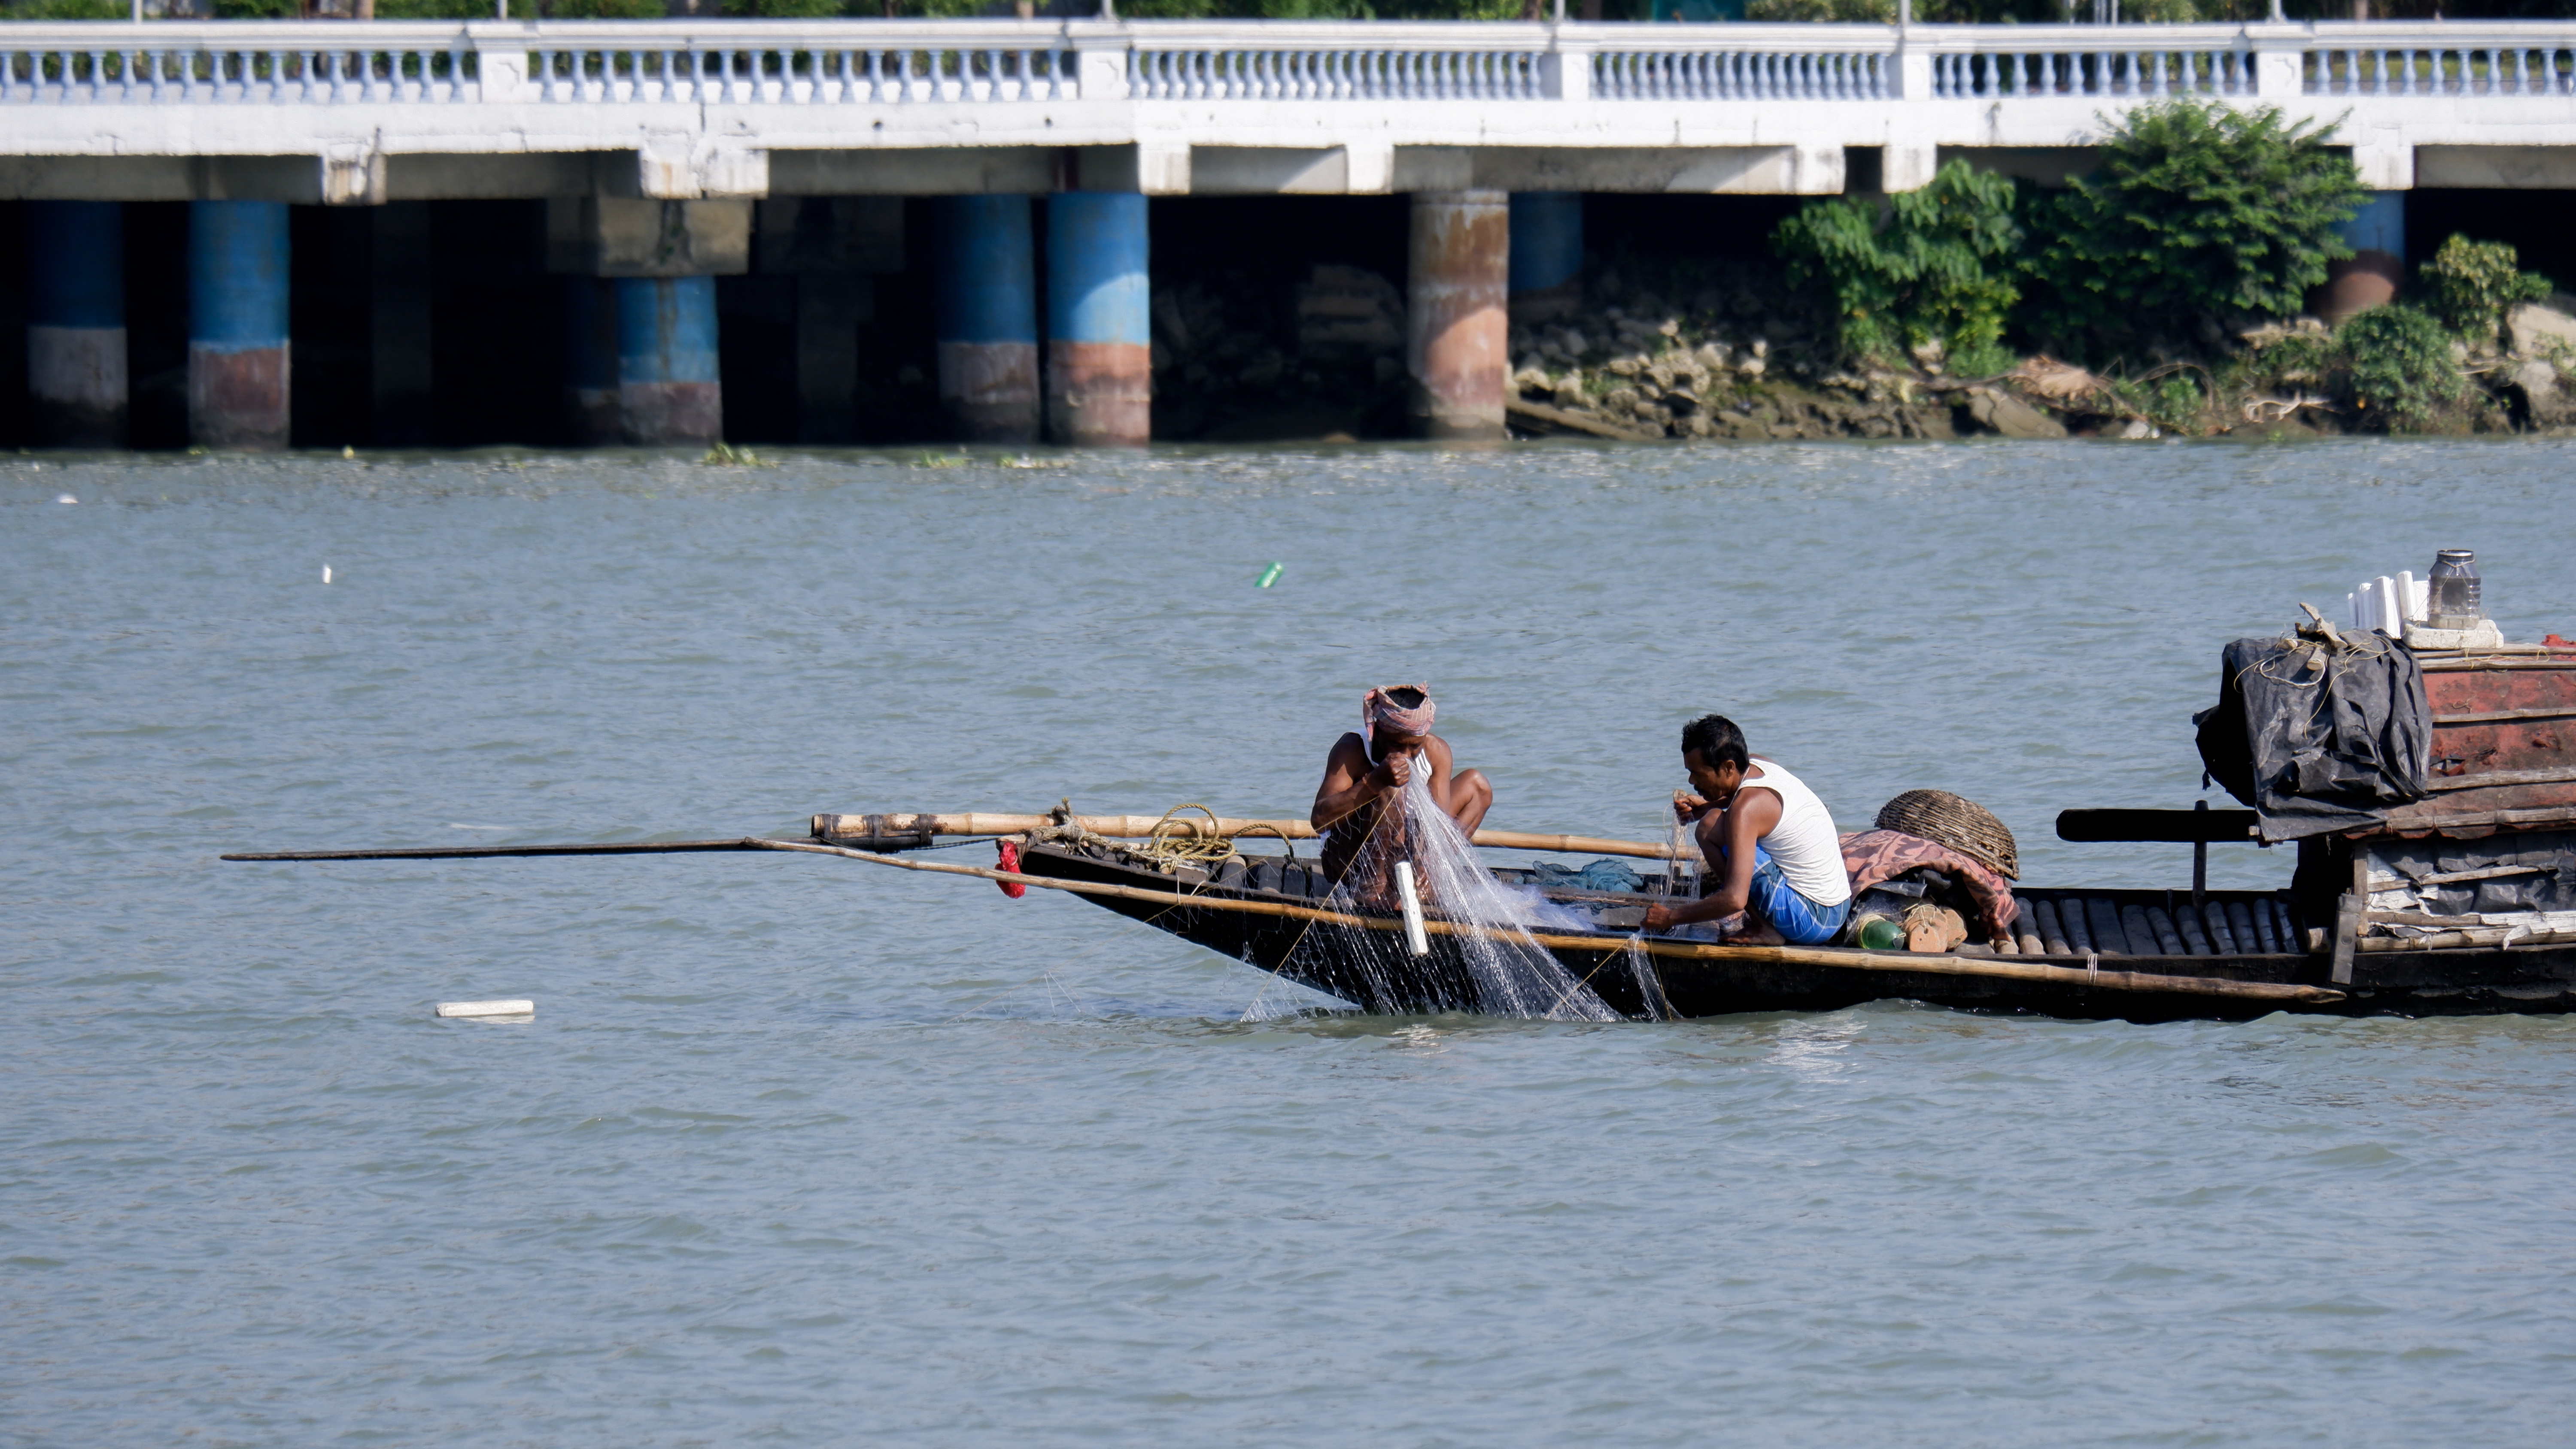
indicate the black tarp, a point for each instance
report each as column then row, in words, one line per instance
column 2318, row 734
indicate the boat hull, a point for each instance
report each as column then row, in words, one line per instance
column 1680, row 979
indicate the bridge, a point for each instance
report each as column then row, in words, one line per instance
column 649, row 144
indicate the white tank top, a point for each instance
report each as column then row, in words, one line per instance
column 1804, row 844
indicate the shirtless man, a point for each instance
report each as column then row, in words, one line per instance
column 1366, row 768
column 1769, row 840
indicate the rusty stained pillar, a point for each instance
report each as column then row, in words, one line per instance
column 238, row 348
column 1457, row 331
column 670, row 388
column 1100, row 367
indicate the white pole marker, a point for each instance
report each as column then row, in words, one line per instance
column 1413, row 935
column 487, row 1008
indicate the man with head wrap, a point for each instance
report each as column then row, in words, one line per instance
column 1393, row 744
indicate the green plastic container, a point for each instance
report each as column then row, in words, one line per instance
column 1879, row 933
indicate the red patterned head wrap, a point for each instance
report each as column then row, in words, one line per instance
column 1378, row 711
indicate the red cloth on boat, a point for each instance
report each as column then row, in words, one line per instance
column 1876, row 855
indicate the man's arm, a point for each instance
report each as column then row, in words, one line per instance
column 1754, row 813
column 1435, row 757
column 1349, row 781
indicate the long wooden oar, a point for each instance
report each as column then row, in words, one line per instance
column 1976, row 966
column 893, row 828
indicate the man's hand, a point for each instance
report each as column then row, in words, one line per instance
column 1658, row 917
column 1395, row 774
column 1688, row 806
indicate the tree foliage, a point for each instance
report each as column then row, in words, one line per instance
column 2470, row 285
column 1925, row 266
column 2195, row 212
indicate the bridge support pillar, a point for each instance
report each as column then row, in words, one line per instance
column 1100, row 368
column 1456, row 320
column 1546, row 255
column 76, row 379
column 988, row 318
column 669, row 390
column 591, row 412
column 2376, row 271
column 238, row 384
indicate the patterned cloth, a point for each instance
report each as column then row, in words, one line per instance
column 1379, row 712
column 1876, row 855
column 1799, row 920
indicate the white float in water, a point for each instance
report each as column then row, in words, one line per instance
column 487, row 1008
column 66, row 498
column 326, row 573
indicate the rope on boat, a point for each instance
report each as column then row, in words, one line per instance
column 1177, row 842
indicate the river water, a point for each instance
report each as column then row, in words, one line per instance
column 803, row 1151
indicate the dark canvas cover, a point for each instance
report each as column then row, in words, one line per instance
column 2318, row 734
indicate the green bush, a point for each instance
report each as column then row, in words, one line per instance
column 68, row 10
column 2176, row 403
column 2396, row 367
column 2471, row 285
column 2196, row 214
column 1849, row 12
column 2296, row 363
column 452, row 9
column 1922, row 266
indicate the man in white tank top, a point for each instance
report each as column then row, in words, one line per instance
column 1772, row 849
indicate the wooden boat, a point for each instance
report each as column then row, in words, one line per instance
column 1294, row 931
column 2448, row 905
column 1670, row 977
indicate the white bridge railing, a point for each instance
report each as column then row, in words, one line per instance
column 979, row 62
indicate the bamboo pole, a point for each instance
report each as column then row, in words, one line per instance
column 483, row 852
column 1191, row 827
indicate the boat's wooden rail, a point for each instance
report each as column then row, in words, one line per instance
column 891, row 832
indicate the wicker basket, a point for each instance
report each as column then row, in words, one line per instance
column 1957, row 822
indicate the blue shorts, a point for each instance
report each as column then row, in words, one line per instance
column 1799, row 920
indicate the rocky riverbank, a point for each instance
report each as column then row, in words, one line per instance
column 1680, row 351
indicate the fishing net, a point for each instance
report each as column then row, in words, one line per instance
column 1496, row 968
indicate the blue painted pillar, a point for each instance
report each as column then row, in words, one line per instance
column 669, row 389
column 2376, row 271
column 1100, row 363
column 988, row 318
column 592, row 416
column 1547, row 255
column 237, row 328
column 76, row 322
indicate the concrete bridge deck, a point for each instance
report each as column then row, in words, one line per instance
column 341, row 113
column 989, row 181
